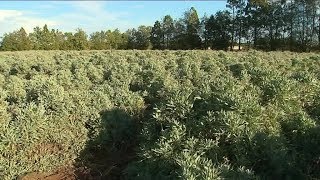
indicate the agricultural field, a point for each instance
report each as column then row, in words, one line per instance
column 159, row 115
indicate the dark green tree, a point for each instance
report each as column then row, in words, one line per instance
column 16, row 41
column 179, row 35
column 157, row 36
column 115, row 39
column 192, row 24
column 140, row 38
column 238, row 11
column 168, row 30
column 143, row 37
column 43, row 39
column 218, row 30
column 98, row 40
column 80, row 40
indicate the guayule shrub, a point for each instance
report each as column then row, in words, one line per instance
column 2, row 80
column 161, row 114
column 15, row 88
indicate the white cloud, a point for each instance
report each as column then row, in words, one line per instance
column 88, row 15
column 5, row 14
column 13, row 19
column 91, row 16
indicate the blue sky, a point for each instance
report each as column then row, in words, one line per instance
column 95, row 15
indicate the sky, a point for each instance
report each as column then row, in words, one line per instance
column 93, row 16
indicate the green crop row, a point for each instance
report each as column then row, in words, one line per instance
column 161, row 114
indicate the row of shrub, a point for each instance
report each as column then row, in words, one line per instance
column 180, row 114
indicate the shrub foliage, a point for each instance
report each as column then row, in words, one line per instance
column 181, row 114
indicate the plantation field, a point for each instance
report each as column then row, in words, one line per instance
column 159, row 115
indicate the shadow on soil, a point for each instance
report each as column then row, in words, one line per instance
column 294, row 154
column 108, row 154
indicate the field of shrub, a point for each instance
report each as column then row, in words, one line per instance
column 160, row 114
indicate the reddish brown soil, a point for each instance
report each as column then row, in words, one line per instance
column 99, row 166
column 61, row 174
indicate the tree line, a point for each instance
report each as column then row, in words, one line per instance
column 258, row 24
